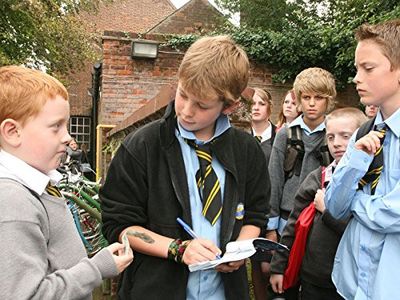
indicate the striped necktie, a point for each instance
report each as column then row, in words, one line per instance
column 207, row 183
column 53, row 190
column 258, row 138
column 375, row 168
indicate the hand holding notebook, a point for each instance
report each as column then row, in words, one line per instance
column 238, row 250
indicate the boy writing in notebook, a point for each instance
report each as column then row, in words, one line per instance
column 42, row 255
column 158, row 175
column 366, row 183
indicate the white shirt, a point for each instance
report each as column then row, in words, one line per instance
column 14, row 168
column 267, row 133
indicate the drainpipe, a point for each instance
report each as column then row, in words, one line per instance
column 99, row 144
column 96, row 73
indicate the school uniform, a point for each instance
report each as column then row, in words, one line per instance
column 147, row 185
column 284, row 189
column 322, row 241
column 367, row 262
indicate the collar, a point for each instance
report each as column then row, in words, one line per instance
column 392, row 122
column 14, row 168
column 300, row 122
column 267, row 133
column 222, row 125
column 329, row 171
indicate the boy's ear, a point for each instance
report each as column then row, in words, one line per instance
column 10, row 132
column 231, row 107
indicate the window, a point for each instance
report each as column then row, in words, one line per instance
column 79, row 128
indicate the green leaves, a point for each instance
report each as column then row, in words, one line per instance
column 44, row 34
column 300, row 34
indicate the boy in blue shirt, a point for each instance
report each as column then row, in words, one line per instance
column 325, row 233
column 153, row 179
column 367, row 263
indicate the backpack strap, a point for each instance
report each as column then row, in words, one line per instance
column 323, row 155
column 294, row 152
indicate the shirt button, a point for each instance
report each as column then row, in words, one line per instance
column 363, row 274
column 205, row 277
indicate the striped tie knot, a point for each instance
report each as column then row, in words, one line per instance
column 53, row 190
column 207, row 182
column 376, row 167
column 258, row 138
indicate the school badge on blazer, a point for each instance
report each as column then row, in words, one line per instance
column 239, row 215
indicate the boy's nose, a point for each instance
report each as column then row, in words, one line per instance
column 67, row 138
column 356, row 78
column 188, row 109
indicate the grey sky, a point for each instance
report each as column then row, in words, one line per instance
column 179, row 3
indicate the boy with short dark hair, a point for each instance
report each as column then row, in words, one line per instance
column 324, row 236
column 42, row 255
column 366, row 183
column 164, row 170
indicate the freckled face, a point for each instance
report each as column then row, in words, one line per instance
column 44, row 137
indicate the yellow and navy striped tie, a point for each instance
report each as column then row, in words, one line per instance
column 375, row 168
column 258, row 138
column 207, row 183
column 53, row 191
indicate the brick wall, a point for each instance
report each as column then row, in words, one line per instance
column 79, row 98
column 119, row 15
column 128, row 84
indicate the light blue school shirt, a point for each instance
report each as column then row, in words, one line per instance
column 203, row 284
column 367, row 262
column 299, row 121
column 278, row 222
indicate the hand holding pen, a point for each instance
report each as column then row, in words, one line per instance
column 199, row 254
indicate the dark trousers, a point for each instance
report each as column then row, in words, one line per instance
column 313, row 292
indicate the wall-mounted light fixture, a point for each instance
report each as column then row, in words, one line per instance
column 144, row 48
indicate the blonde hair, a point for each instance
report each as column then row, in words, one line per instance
column 351, row 113
column 265, row 96
column 23, row 92
column 215, row 65
column 386, row 35
column 316, row 80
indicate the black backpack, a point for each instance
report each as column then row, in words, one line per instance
column 295, row 153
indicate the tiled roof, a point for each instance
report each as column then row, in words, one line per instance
column 194, row 16
column 129, row 15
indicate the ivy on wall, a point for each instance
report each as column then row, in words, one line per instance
column 327, row 42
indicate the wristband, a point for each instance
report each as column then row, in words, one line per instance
column 176, row 250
